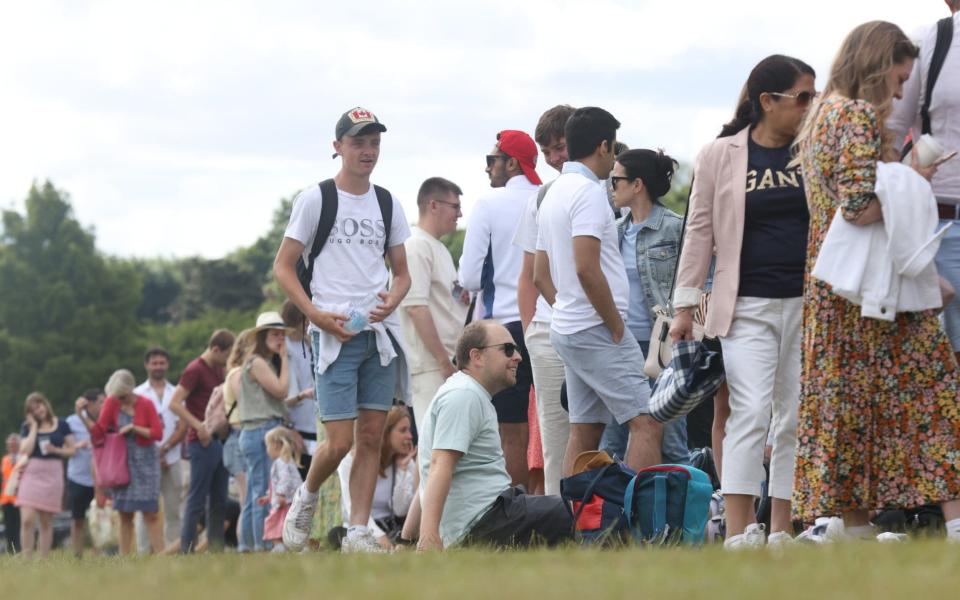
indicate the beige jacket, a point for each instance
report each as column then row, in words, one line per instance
column 715, row 226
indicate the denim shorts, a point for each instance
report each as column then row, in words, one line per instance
column 232, row 457
column 604, row 379
column 355, row 380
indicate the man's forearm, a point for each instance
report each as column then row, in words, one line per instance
column 597, row 289
column 435, row 493
column 427, row 331
column 527, row 291
column 542, row 279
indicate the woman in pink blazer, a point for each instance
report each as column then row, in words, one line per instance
column 748, row 208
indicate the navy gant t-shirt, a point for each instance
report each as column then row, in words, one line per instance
column 776, row 222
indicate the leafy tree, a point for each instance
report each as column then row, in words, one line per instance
column 67, row 313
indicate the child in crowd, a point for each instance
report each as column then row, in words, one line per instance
column 284, row 481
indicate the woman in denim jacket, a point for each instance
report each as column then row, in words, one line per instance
column 649, row 242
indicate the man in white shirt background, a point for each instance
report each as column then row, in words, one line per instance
column 490, row 264
column 433, row 311
column 156, row 362
column 535, row 313
column 944, row 123
column 579, row 270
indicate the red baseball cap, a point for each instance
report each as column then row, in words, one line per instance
column 519, row 145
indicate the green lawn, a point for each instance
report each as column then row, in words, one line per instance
column 917, row 570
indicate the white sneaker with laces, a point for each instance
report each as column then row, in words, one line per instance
column 752, row 537
column 779, row 539
column 298, row 522
column 361, row 543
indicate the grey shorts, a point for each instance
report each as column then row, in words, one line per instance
column 604, row 380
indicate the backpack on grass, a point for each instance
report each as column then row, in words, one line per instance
column 668, row 504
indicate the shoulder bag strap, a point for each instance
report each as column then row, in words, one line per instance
column 328, row 214
column 385, row 200
column 944, row 39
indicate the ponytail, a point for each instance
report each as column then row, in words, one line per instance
column 774, row 74
column 653, row 167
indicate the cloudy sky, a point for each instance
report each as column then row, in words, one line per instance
column 177, row 126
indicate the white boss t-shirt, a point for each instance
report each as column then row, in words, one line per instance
column 350, row 267
column 576, row 205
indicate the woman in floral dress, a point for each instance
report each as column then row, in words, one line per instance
column 879, row 422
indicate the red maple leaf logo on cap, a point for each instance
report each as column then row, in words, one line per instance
column 358, row 115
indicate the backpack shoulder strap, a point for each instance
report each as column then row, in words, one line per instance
column 542, row 193
column 328, row 214
column 385, row 200
column 944, row 39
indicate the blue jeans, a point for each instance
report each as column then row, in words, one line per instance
column 948, row 266
column 254, row 452
column 674, row 446
column 207, row 495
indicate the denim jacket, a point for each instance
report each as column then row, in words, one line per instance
column 657, row 246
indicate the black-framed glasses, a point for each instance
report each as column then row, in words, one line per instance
column 615, row 179
column 508, row 348
column 802, row 99
column 454, row 205
column 492, row 158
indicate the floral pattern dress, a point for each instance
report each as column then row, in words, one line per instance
column 879, row 423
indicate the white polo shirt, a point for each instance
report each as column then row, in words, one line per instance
column 576, row 205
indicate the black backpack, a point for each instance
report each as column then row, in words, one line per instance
column 328, row 215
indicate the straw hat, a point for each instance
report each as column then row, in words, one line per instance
column 270, row 320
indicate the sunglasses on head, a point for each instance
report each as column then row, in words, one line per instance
column 508, row 348
column 492, row 158
column 801, row 98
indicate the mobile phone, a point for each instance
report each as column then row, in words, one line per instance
column 944, row 158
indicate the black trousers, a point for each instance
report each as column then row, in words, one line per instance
column 517, row 520
column 11, row 524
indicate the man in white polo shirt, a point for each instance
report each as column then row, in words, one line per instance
column 156, row 362
column 491, row 264
column 535, row 313
column 579, row 270
column 433, row 311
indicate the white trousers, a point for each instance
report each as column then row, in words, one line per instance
column 423, row 387
column 554, row 423
column 761, row 356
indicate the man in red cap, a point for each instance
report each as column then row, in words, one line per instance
column 490, row 264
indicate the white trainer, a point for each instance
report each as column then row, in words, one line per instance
column 752, row 537
column 361, row 543
column 779, row 539
column 298, row 522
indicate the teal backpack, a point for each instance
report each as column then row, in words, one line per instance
column 668, row 504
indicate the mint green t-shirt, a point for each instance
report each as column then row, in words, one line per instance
column 461, row 417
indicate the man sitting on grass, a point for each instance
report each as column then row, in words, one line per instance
column 465, row 490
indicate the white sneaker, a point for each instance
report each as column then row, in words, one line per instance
column 278, row 548
column 889, row 537
column 825, row 530
column 298, row 522
column 752, row 537
column 779, row 539
column 361, row 543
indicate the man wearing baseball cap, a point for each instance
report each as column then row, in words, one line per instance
column 358, row 364
column 490, row 264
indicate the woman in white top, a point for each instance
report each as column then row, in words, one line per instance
column 397, row 480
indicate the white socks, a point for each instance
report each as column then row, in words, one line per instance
column 308, row 497
column 953, row 530
column 355, row 530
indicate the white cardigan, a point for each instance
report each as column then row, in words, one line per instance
column 887, row 267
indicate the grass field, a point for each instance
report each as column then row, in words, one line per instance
column 917, row 571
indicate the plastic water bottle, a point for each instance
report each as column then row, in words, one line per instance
column 358, row 314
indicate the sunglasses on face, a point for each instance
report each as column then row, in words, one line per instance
column 801, row 98
column 615, row 179
column 492, row 158
column 508, row 348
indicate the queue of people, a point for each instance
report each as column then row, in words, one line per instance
column 390, row 399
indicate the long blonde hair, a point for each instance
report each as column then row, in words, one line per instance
column 288, row 450
column 861, row 71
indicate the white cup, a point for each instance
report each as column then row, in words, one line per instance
column 928, row 151
column 45, row 447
